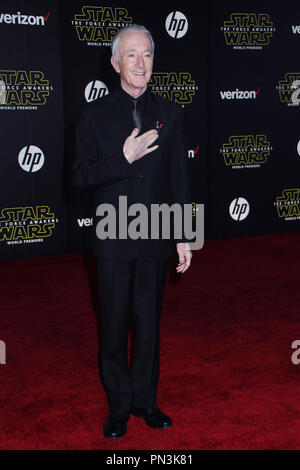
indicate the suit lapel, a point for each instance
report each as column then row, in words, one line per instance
column 150, row 113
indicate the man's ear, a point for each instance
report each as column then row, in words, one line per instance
column 114, row 63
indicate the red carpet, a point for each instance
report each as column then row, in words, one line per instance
column 227, row 379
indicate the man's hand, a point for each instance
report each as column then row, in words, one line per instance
column 184, row 257
column 135, row 147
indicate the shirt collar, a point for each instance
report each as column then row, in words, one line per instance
column 129, row 99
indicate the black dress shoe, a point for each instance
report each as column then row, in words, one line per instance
column 153, row 416
column 115, row 427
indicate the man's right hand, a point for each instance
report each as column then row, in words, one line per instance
column 135, row 147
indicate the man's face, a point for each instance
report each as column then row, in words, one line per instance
column 134, row 62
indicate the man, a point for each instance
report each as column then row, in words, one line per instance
column 130, row 143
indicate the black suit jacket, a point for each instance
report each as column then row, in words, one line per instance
column 160, row 176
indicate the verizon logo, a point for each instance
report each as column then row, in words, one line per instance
column 18, row 18
column 296, row 29
column 240, row 94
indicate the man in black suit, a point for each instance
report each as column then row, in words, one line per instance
column 129, row 143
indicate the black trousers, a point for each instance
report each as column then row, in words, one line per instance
column 130, row 288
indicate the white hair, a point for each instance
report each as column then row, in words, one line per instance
column 127, row 29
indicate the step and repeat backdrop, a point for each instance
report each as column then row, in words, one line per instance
column 253, row 158
column 33, row 213
column 233, row 70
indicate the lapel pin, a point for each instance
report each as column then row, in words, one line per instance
column 159, row 125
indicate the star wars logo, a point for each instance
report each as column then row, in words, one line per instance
column 248, row 30
column 194, row 209
column 178, row 87
column 288, row 204
column 23, row 89
column 96, row 26
column 26, row 224
column 246, row 151
column 289, row 89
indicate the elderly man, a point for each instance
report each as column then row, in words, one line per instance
column 129, row 143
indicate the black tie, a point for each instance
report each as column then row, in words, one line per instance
column 136, row 114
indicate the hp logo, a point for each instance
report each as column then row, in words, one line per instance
column 95, row 90
column 31, row 158
column 239, row 208
column 176, row 24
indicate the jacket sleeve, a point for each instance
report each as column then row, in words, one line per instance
column 179, row 172
column 91, row 168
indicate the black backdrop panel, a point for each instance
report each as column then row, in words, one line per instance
column 33, row 213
